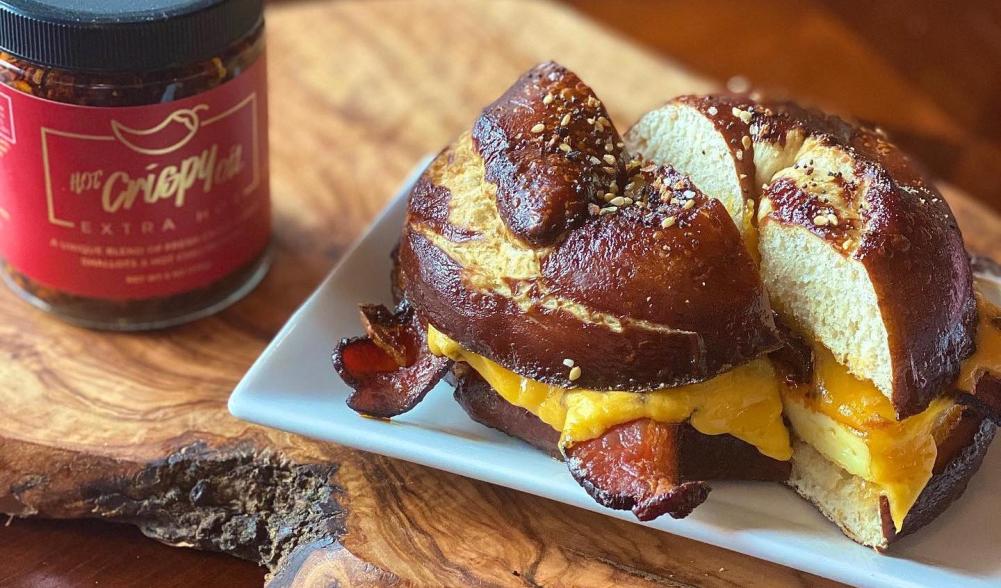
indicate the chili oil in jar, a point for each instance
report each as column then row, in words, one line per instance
column 133, row 157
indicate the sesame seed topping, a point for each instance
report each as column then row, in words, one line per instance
column 568, row 362
column 743, row 176
column 564, row 147
column 820, row 220
column 713, row 111
column 590, row 121
column 740, row 155
column 594, row 160
column 743, row 115
column 746, row 142
column 548, row 99
column 610, row 170
column 832, row 220
column 688, row 204
column 618, row 201
column 608, row 210
column 668, row 222
column 609, row 158
column 688, row 194
column 574, row 373
column 566, row 120
column 538, row 128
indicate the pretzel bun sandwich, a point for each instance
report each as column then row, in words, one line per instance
column 891, row 353
column 732, row 290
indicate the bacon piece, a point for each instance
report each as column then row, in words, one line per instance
column 986, row 395
column 634, row 466
column 391, row 369
column 794, row 360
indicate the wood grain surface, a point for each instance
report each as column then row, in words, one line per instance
column 134, row 429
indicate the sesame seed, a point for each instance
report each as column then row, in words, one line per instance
column 608, row 210
column 568, row 362
column 688, row 194
column 746, row 142
column 564, row 148
column 609, row 147
column 548, row 99
column 713, row 111
column 604, row 121
column 820, row 220
column 740, row 155
column 609, row 158
column 688, row 204
column 574, row 373
column 833, row 220
column 610, row 170
column 566, row 120
column 847, row 244
column 743, row 115
column 590, row 121
column 668, row 222
column 538, row 128
column 607, row 196
column 743, row 176
column 594, row 160
column 618, row 201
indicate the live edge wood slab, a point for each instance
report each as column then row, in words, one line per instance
column 134, row 428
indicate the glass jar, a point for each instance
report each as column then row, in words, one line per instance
column 133, row 157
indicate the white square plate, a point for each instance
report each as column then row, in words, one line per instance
column 293, row 387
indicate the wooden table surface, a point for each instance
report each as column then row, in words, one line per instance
column 928, row 74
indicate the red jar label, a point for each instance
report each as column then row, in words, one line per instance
column 135, row 202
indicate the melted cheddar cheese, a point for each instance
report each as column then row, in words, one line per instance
column 853, row 424
column 744, row 402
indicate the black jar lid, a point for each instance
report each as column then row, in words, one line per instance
column 123, row 35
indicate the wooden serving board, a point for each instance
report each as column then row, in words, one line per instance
column 134, row 428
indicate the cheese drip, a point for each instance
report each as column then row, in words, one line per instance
column 744, row 402
column 853, row 424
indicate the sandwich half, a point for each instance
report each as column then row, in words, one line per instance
column 587, row 300
column 891, row 355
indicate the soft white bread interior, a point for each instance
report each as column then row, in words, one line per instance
column 689, row 133
column 813, row 278
column 850, row 502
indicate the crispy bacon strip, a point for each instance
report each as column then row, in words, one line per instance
column 794, row 359
column 391, row 369
column 986, row 395
column 634, row 466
